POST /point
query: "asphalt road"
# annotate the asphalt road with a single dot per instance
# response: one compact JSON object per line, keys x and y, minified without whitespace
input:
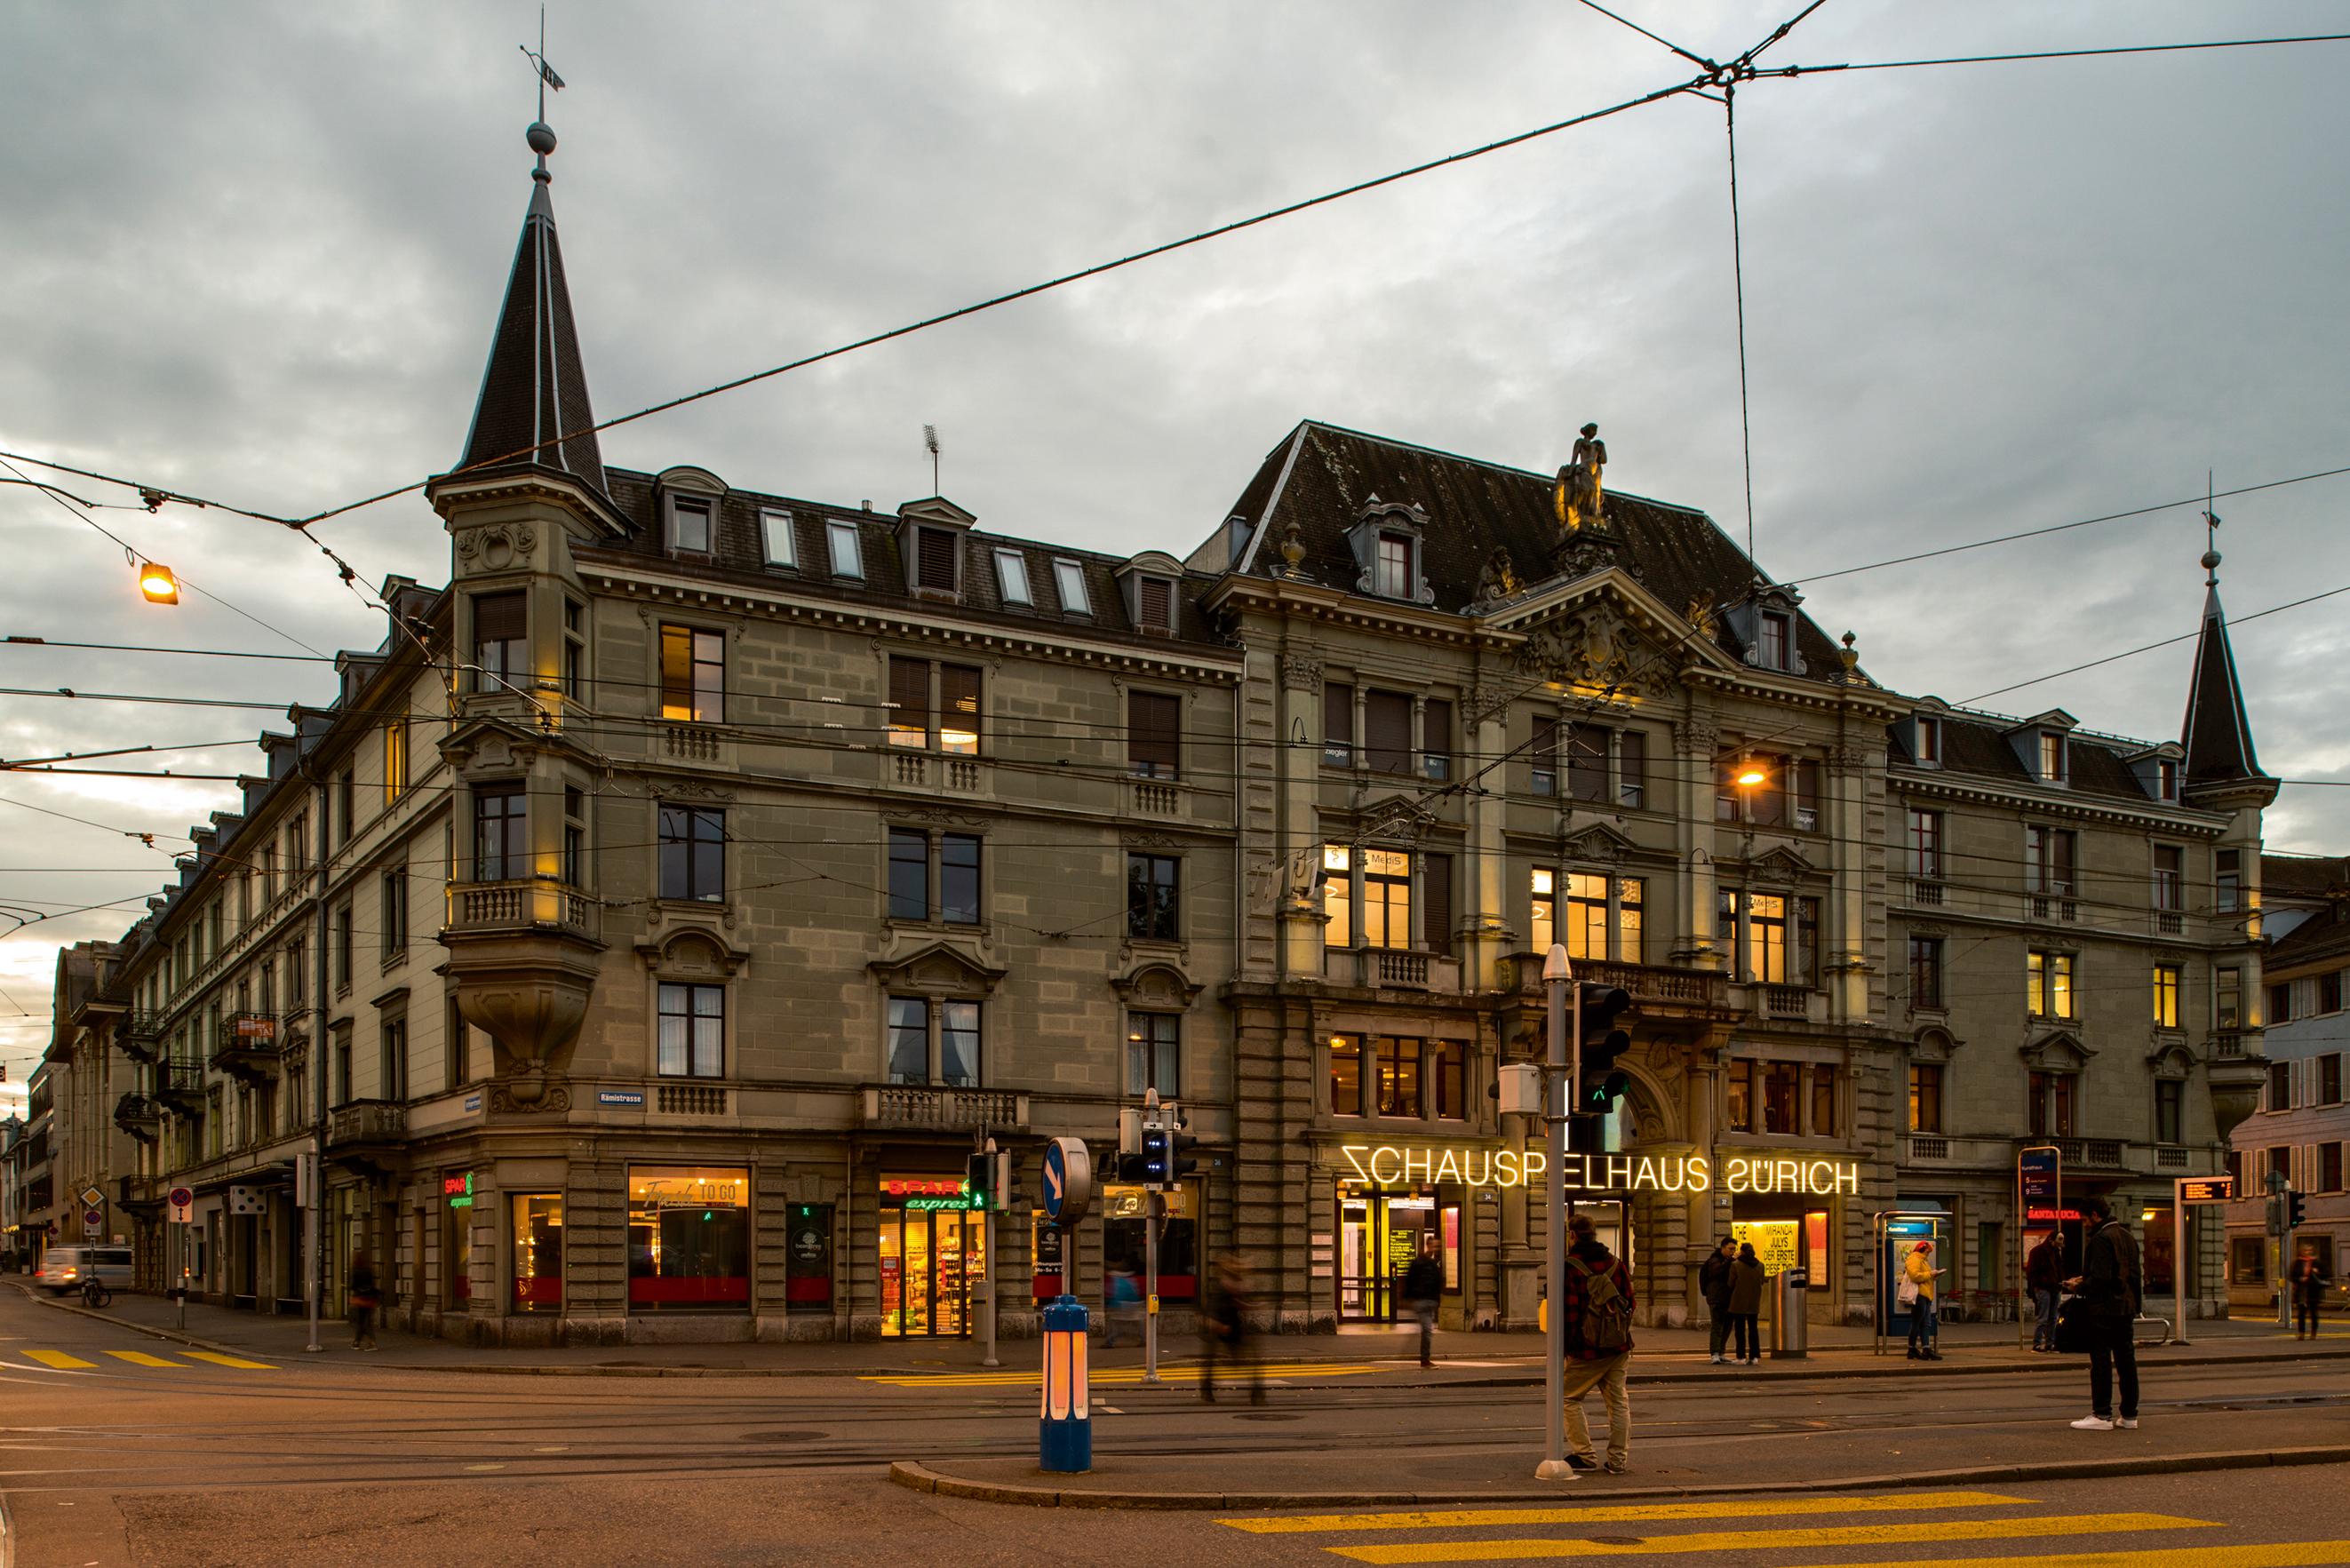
{"x":125,"y":1449}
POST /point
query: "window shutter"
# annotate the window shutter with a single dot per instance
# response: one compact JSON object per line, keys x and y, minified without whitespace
{"x":1587,"y":762}
{"x":500,"y":617}
{"x":910,"y":693}
{"x":936,"y":550}
{"x":1632,"y":767}
{"x":1153,"y":723}
{"x":1157,"y":604}
{"x":1436,"y":900}
{"x":1337,"y":716}
{"x":1386,"y":725}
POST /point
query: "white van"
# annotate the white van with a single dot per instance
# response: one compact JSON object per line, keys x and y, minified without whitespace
{"x":64,"y":1269}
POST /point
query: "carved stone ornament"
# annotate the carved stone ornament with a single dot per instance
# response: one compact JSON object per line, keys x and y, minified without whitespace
{"x":527,"y":1093}
{"x":1150,"y":840}
{"x":1781,"y":864}
{"x":1846,"y":758}
{"x":691,"y":789}
{"x":497,"y":545}
{"x":1156,"y":987}
{"x":1499,"y":579}
{"x":1300,"y":673}
{"x":1483,"y":703}
{"x":1697,"y":737}
{"x":2058,"y":1050}
{"x":937,"y":969}
{"x":1591,"y":648}
{"x":1581,"y":553}
{"x":1599,"y":842}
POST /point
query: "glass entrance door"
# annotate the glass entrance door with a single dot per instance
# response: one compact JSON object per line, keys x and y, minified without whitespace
{"x":1364,"y":1293}
{"x":932,"y":1260}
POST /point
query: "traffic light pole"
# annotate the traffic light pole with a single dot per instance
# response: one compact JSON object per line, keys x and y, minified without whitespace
{"x":987,"y":1260}
{"x":1155,"y":1205}
{"x":1558,"y":977}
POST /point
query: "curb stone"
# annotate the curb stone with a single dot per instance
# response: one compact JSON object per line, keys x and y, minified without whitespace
{"x":920,"y":1476}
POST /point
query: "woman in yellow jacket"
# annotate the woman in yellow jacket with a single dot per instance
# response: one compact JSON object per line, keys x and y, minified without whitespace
{"x":1917,"y":1271}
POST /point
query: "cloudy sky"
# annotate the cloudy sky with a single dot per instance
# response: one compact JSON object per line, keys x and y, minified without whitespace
{"x":253,"y":251}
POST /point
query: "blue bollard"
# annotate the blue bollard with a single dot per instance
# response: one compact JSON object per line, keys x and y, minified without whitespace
{"x":1065,"y":1427}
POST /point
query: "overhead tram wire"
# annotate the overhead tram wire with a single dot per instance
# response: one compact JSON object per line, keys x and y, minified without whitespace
{"x":2028,"y":55}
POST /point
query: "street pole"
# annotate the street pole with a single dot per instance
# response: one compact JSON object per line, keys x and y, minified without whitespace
{"x":996,"y":1196}
{"x":181,"y":1226}
{"x":1558,"y":978}
{"x":1155,"y":1205}
{"x":2179,"y":1256}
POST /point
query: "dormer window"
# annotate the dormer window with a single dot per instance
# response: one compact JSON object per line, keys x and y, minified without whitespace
{"x":934,"y":561}
{"x":1154,"y":604}
{"x":777,"y":539}
{"x":848,"y":559}
{"x":1392,"y":574}
{"x":2165,"y":779}
{"x":1774,"y":639}
{"x":1012,"y":578}
{"x":690,"y":522}
{"x":1069,"y":582}
{"x":1929,"y":742}
{"x":2052,"y":757}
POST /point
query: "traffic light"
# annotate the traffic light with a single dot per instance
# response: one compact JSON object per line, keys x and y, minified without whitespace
{"x":1158,"y":1158}
{"x":979,"y":1178}
{"x":2296,"y":1211}
{"x":2276,"y":1214}
{"x":1183,"y":1156}
{"x":1599,"y":1083}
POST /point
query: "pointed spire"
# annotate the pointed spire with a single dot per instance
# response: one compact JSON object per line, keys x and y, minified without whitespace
{"x":534,"y":389}
{"x":2217,"y":735}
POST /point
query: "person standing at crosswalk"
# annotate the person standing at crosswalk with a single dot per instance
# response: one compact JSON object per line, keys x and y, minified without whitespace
{"x":1746,"y":1277}
{"x":1713,"y":1284}
{"x":1597,"y":1312}
{"x":2109,"y":1287}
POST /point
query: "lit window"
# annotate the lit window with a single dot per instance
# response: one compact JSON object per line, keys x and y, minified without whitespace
{"x":693,"y":674}
{"x":1069,"y":582}
{"x":2049,"y":980}
{"x":1387,"y":897}
{"x":847,"y":560}
{"x":1337,"y":895}
{"x":776,"y":535}
{"x":2166,"y":995}
{"x":1011,"y":576}
{"x":2052,"y":757}
{"x":689,"y":524}
{"x":1929,"y":742}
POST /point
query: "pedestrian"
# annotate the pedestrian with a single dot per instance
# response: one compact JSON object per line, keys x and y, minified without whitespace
{"x":2109,"y":1287}
{"x":1917,"y":1293}
{"x":1227,"y":1330}
{"x":365,"y":1296}
{"x":2044,"y":1271}
{"x":1745,"y":1306}
{"x":1125,"y":1291}
{"x":2308,"y":1293}
{"x":1423,"y":1284}
{"x":1596,"y":1312}
{"x":1713,"y":1284}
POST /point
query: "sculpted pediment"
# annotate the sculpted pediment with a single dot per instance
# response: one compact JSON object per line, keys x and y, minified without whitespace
{"x":1592,"y":643}
{"x":937,"y":970}
{"x":1781,"y":863}
{"x":1599,"y":842}
{"x":2057,"y":1051}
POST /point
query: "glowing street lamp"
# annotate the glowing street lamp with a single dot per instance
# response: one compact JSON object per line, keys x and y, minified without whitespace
{"x":1749,"y":775}
{"x":158,"y":583}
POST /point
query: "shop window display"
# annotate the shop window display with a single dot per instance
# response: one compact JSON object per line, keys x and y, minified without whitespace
{"x":688,"y":1237}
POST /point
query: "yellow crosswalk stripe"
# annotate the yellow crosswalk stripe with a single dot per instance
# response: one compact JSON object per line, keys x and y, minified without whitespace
{"x":1755,"y":1508}
{"x":141,"y":1358}
{"x":2269,"y":1554}
{"x":1098,"y":1376}
{"x":60,"y":1360}
{"x":1925,"y":1532}
{"x":237,"y":1361}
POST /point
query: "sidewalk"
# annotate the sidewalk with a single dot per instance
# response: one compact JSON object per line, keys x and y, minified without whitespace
{"x":1503,"y":1359}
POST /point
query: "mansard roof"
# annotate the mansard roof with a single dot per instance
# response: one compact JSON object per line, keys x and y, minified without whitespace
{"x":1976,"y":743}
{"x":1321,"y":477}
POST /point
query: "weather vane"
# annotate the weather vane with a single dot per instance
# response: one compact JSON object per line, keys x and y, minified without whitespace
{"x":541,"y":138}
{"x":930,"y":445}
{"x":2210,"y":535}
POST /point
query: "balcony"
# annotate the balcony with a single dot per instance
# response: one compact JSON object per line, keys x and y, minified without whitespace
{"x":928,"y":1108}
{"x":523,"y":904}
{"x":366,"y":1135}
{"x":1153,"y":797}
{"x":2046,"y":909}
{"x":141,"y":1035}
{"x":689,"y":743}
{"x":139,"y":1115}
{"x":939,"y":773}
{"x":1655,"y":988}
{"x":180,"y":1087}
{"x":1929,"y":895}
{"x":249,"y":1047}
{"x":1391,"y":968}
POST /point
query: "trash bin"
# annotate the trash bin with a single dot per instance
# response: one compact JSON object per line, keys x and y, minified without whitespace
{"x":1789,"y":1335}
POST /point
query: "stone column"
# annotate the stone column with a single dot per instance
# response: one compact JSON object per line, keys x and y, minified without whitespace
{"x":1697,"y":945}
{"x":1299,"y":910}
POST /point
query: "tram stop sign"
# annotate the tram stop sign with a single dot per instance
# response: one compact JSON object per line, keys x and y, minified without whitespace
{"x":2207,"y":1189}
{"x":1068,"y":1180}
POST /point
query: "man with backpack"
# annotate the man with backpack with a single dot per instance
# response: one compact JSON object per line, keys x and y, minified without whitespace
{"x":1597,"y":1311}
{"x":2109,"y":1289}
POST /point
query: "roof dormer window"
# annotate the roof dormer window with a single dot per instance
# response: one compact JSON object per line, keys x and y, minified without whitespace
{"x":1155,"y":598}
{"x":847,"y":558}
{"x":777,"y":539}
{"x":1069,"y":582}
{"x":691,"y":524}
{"x":934,"y":561}
{"x":1929,"y":742}
{"x":1391,"y":573}
{"x":2052,"y":756}
{"x":1012,"y":578}
{"x":1774,"y":639}
{"x":2165,"y":779}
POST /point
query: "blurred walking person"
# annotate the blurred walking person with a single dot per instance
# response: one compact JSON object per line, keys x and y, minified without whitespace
{"x":1596,"y":1314}
{"x":1227,"y":1330}
{"x":2308,"y":1280}
{"x":2044,"y":1271}
{"x":1746,"y":1278}
{"x":1917,"y":1291}
{"x":365,"y":1295}
{"x":1713,"y":1284}
{"x":1125,"y":1293}
{"x":1423,"y":1285}
{"x":2109,"y":1290}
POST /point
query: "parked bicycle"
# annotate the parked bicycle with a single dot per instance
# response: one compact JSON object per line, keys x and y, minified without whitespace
{"x":95,"y":1295}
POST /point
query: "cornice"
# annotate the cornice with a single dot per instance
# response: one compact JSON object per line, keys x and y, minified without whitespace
{"x":1943,"y":785}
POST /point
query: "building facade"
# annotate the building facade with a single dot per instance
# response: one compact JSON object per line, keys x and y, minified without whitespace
{"x":665,"y":912}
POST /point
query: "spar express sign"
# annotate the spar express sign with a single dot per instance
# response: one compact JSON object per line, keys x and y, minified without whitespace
{"x":1815,"y":1176}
